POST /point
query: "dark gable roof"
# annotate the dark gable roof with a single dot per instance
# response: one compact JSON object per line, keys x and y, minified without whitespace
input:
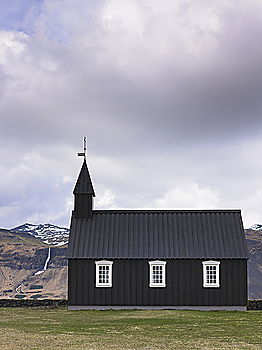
{"x":155,"y":234}
{"x":84,"y":182}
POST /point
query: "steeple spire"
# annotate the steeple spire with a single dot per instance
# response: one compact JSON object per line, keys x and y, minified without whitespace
{"x":83,"y":191}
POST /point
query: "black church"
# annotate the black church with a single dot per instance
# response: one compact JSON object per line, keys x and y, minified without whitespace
{"x":154,"y":259}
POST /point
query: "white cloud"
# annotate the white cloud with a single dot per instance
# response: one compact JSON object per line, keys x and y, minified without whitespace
{"x":106,"y":200}
{"x":11,"y":44}
{"x":8,"y":210}
{"x":191,"y":196}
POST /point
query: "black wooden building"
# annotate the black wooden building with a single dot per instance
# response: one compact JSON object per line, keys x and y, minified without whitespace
{"x":154,"y":258}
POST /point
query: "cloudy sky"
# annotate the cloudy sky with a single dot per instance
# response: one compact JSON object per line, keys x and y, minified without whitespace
{"x":168,"y":94}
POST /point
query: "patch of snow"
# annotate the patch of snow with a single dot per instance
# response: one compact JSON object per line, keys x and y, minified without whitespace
{"x":256,"y":227}
{"x":17,"y":288}
{"x":48,"y":233}
{"x":61,"y":243}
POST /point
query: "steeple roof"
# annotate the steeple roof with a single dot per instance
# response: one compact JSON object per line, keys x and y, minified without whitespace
{"x":84,"y":182}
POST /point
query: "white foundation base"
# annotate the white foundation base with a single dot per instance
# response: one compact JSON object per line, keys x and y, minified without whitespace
{"x":137,"y":307}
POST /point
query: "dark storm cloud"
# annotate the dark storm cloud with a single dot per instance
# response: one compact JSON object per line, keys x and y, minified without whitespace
{"x":169,"y":98}
{"x":216,"y":93}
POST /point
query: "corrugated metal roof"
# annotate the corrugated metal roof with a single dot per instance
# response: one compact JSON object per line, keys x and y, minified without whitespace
{"x":84,"y":183}
{"x":179,"y":234}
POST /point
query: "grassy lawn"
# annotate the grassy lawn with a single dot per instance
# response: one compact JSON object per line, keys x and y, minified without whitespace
{"x":39,"y":328}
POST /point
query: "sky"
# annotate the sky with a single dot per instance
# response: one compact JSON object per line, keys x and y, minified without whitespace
{"x":168,"y":94}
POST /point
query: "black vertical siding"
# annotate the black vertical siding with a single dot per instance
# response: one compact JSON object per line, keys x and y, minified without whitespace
{"x":83,"y":206}
{"x":184,"y":284}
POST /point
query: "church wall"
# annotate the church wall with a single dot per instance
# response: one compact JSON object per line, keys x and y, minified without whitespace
{"x":184,"y":284}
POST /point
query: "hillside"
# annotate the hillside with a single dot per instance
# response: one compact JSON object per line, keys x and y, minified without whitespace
{"x":31,"y":267}
{"x":254,"y":240}
{"x":22,"y":259}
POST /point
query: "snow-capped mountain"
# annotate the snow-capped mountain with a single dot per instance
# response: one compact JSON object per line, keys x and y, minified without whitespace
{"x":256,"y":227}
{"x":48,"y":233}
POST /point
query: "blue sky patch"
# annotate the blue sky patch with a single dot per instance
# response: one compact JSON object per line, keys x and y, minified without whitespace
{"x":12,"y":13}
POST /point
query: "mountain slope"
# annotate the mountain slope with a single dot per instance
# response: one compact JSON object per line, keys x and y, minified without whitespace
{"x":254,"y":241}
{"x":21,"y":257}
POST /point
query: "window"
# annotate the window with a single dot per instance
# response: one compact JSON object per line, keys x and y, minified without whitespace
{"x":211,"y":273}
{"x":157,"y":273}
{"x":104,"y":273}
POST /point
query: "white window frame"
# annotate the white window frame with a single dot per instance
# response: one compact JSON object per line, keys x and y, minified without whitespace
{"x":104,"y":263}
{"x":215,"y":264}
{"x":157,"y":263}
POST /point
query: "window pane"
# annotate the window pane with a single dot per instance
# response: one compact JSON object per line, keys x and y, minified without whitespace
{"x":103,"y":274}
{"x":157,"y":274}
{"x":211,"y":274}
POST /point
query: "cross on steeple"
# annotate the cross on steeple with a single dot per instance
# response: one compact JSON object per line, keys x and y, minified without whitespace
{"x":83,"y":191}
{"x":83,"y":154}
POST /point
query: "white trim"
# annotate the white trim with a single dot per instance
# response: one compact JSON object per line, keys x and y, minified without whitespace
{"x":151,"y":265}
{"x":109,"y":265}
{"x":150,"y":307}
{"x":215,"y":264}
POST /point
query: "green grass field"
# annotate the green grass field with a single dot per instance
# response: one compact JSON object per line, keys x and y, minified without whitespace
{"x":39,"y":328}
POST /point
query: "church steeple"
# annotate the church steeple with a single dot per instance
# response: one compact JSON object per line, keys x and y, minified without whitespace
{"x":84,"y":193}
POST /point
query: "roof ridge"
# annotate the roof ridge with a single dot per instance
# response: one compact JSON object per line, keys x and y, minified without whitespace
{"x":159,"y":211}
